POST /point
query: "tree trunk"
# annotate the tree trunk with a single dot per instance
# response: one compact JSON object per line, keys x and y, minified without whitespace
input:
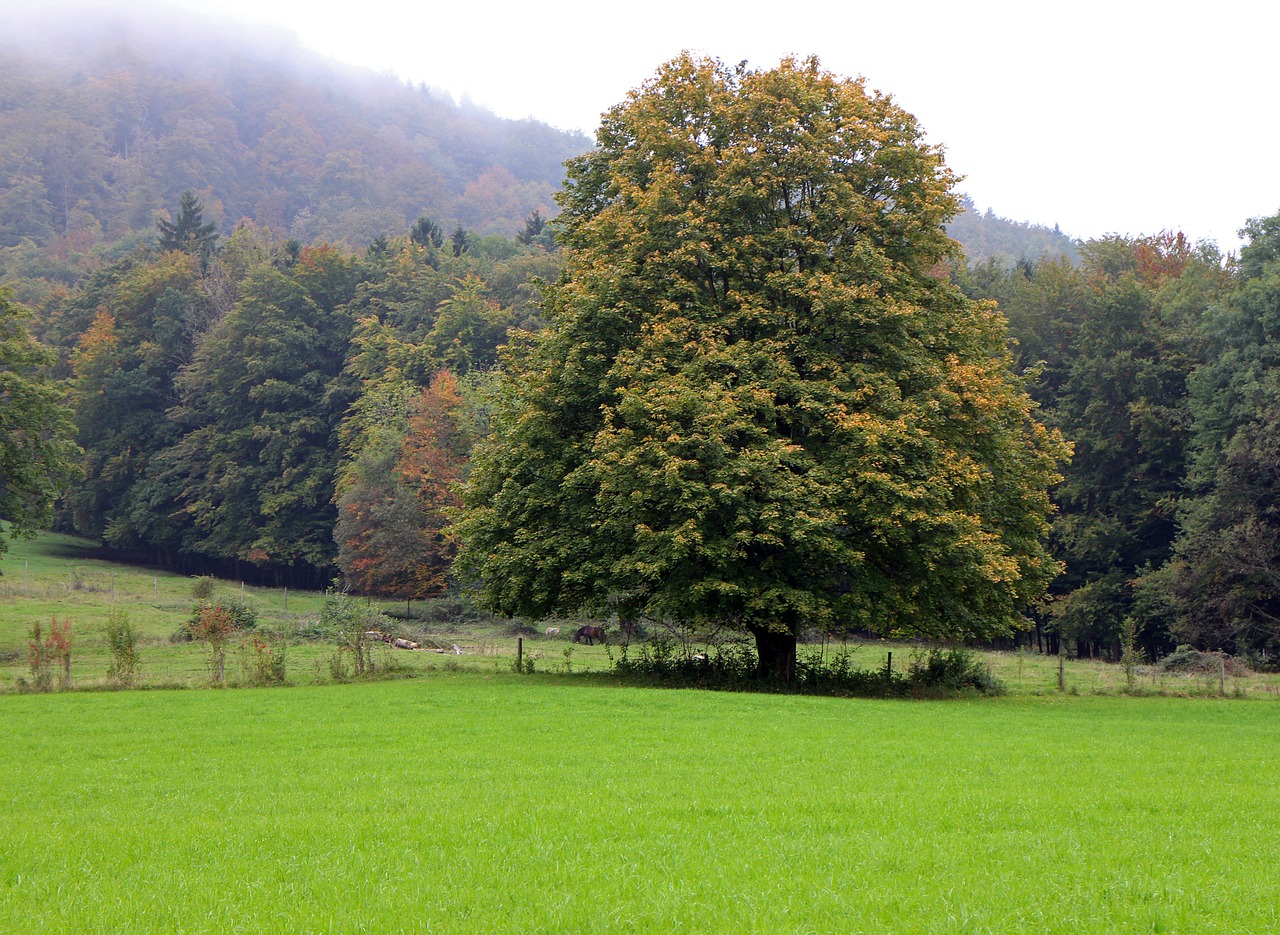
{"x":776,"y":655}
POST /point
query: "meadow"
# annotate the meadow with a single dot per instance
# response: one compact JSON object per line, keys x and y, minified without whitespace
{"x":469,"y":802}
{"x":469,"y":798}
{"x":61,"y":578}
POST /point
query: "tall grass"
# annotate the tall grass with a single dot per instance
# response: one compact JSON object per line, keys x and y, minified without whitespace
{"x":468,"y":802}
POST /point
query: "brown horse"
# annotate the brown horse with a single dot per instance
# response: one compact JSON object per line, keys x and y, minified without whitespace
{"x":588,"y":633}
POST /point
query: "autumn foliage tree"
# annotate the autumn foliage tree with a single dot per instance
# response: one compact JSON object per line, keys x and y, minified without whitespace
{"x":757,"y":405}
{"x":393,"y":508}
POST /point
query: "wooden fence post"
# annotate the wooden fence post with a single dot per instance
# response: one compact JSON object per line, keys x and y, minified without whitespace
{"x":1062,"y":675}
{"x":519,"y":653}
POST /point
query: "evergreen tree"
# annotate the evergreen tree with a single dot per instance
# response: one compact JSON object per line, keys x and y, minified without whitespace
{"x":189,"y":233}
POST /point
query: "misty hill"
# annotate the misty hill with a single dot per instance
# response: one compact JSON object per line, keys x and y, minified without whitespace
{"x":107,"y":119}
{"x":987,"y":236}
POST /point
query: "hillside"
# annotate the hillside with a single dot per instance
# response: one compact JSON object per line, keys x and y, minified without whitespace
{"x":107,"y":120}
{"x":984,"y":235}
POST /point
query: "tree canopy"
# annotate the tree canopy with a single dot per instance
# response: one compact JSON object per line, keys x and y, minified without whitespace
{"x":759,"y":401}
{"x":37,"y":456}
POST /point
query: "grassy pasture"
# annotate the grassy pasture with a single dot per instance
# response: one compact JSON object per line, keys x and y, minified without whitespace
{"x":466,"y":802}
{"x":60,"y":576}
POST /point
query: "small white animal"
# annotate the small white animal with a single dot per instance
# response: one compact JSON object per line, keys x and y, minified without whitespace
{"x":553,"y":631}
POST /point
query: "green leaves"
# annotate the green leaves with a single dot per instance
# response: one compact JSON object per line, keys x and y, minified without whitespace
{"x":37,"y":455}
{"x":757,"y":405}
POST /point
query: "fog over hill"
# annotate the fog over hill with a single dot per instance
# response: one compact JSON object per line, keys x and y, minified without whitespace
{"x":107,"y":119}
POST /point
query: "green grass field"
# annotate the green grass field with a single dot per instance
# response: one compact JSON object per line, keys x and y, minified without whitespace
{"x":471,"y":799}
{"x":464,"y":802}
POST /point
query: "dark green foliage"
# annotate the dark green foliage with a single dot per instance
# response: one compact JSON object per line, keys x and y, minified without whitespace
{"x":735,"y":667}
{"x":757,"y":406}
{"x":1110,"y":346}
{"x":145,"y":315}
{"x":458,"y":240}
{"x":426,"y":232}
{"x":261,"y":403}
{"x":37,"y":456}
{"x":534,"y":226}
{"x":188,"y":233}
{"x":1223,"y":582}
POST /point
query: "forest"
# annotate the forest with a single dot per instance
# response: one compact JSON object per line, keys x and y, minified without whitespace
{"x":274,"y":302}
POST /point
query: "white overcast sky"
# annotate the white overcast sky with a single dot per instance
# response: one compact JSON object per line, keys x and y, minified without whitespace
{"x":1102,"y":117}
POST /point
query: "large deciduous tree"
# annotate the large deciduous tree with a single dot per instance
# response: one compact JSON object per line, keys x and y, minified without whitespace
{"x":759,"y":402}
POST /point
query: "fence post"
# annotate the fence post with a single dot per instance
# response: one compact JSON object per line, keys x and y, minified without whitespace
{"x":113,"y":587}
{"x":155,"y":587}
{"x":519,"y":653}
{"x":1222,"y":675}
{"x":1062,"y":675}
{"x":25,"y":565}
{"x":286,"y":599}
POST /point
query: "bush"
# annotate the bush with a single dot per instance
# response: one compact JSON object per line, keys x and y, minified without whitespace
{"x":214,"y":626}
{"x":1191,"y":661}
{"x":202,"y":587}
{"x":122,"y":641}
{"x":263,"y":661}
{"x":951,"y":670}
{"x":733,"y":667}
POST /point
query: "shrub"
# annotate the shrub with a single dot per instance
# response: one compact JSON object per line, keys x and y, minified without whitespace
{"x":343,"y":620}
{"x":122,"y":641}
{"x":1191,"y":661}
{"x":732,"y":666}
{"x":202,"y":587}
{"x":243,"y":614}
{"x":951,"y":670}
{"x":39,"y":659}
{"x":214,"y":626}
{"x":263,"y":658}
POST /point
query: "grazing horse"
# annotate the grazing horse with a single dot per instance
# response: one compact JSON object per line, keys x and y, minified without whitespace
{"x":588,"y":633}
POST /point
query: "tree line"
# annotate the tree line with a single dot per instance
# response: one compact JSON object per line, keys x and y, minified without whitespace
{"x":1154,"y":357}
{"x":279,"y":411}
